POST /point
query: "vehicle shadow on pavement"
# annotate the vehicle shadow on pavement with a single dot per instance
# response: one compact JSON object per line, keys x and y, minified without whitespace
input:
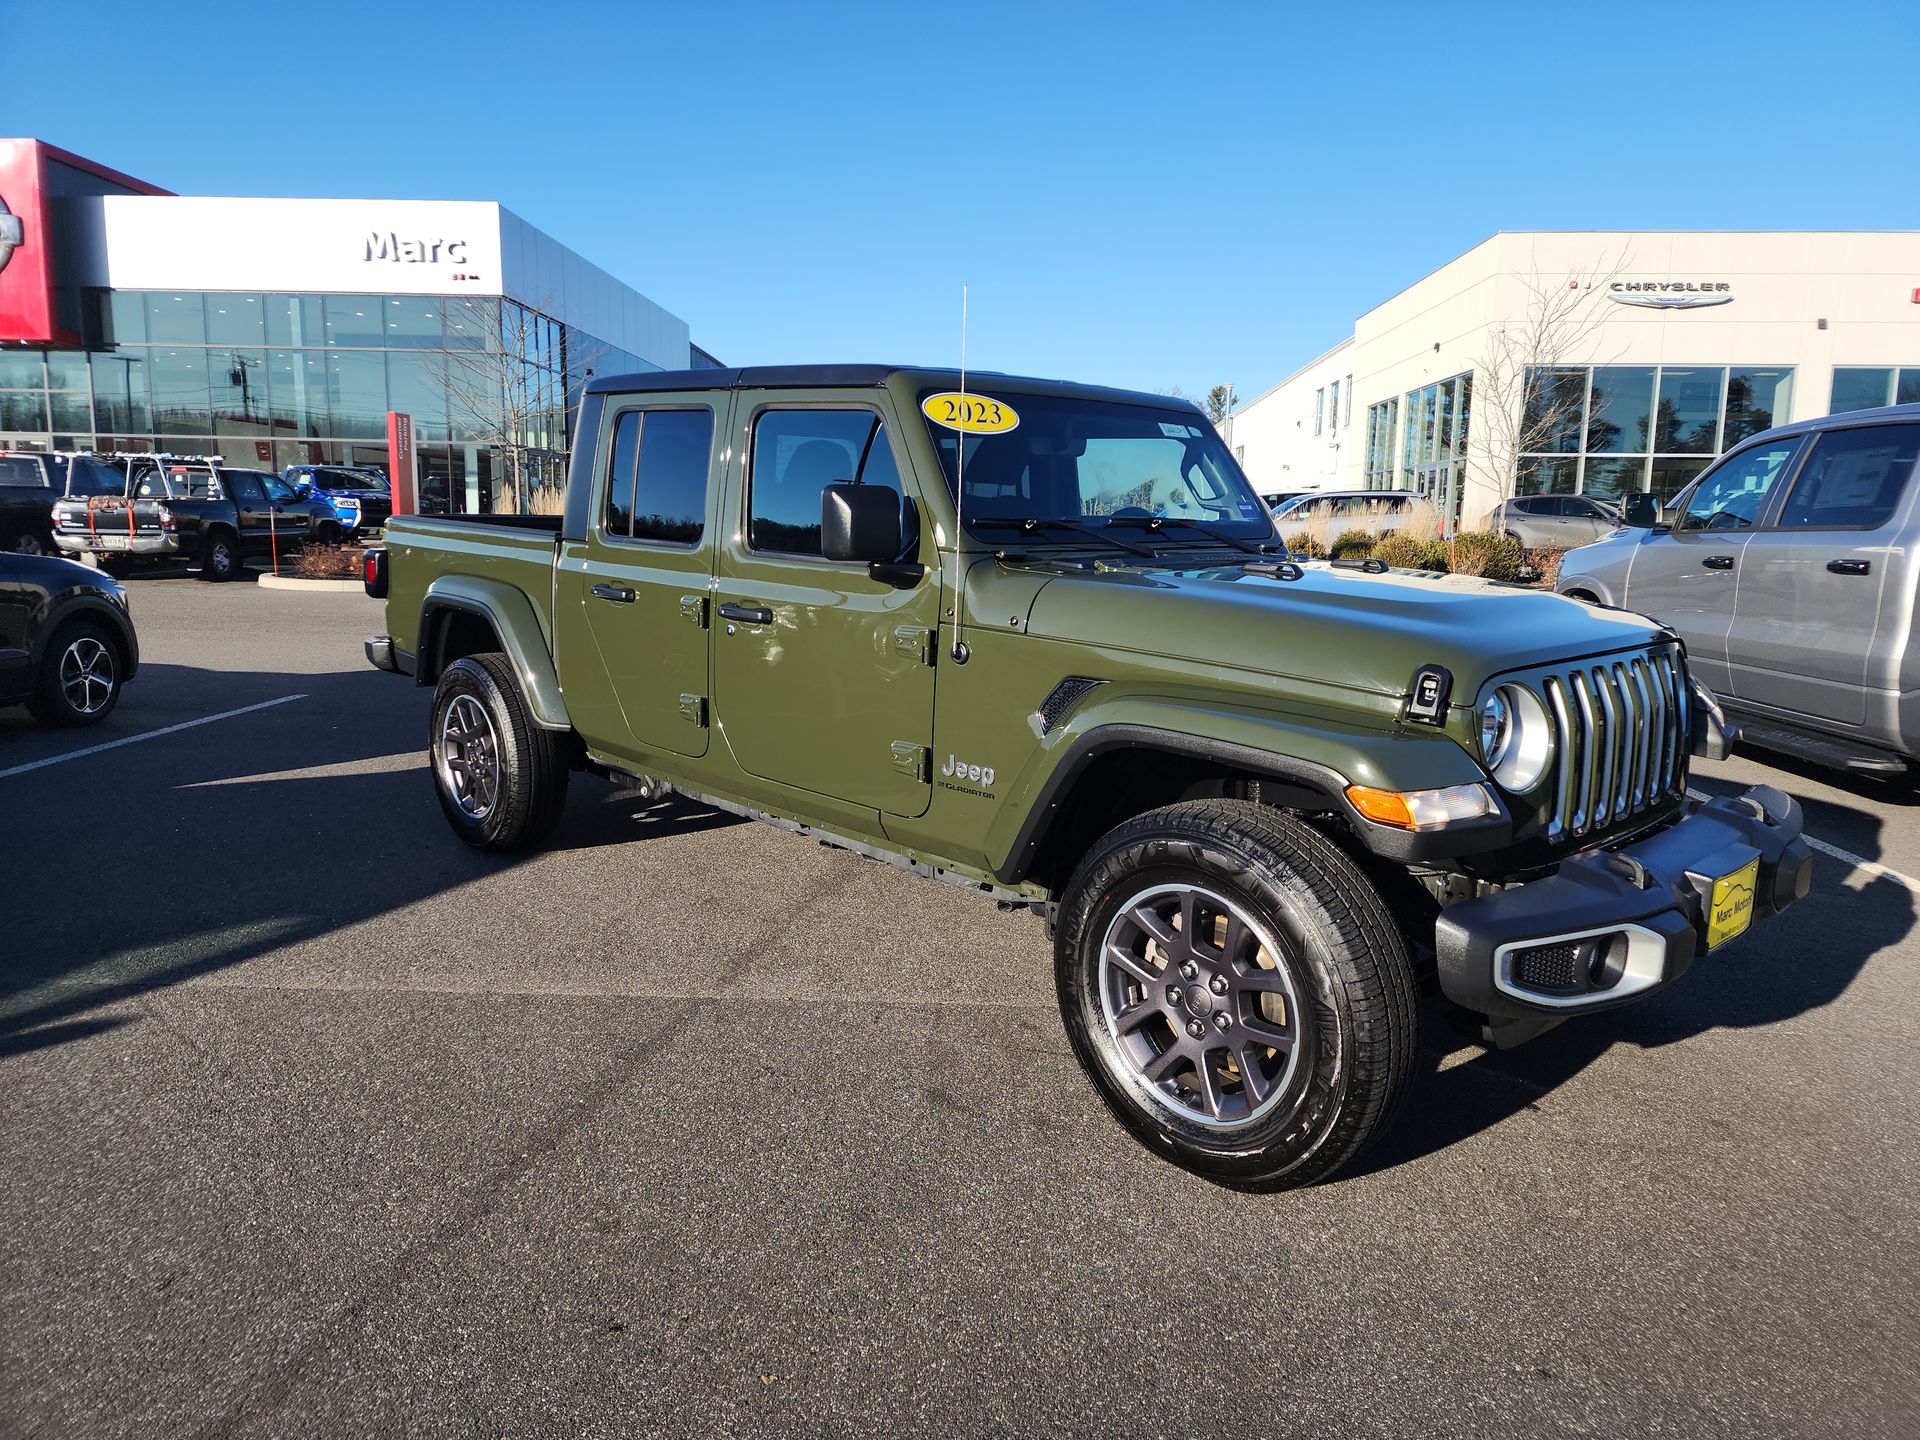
{"x":242,"y":838}
{"x":1797,"y":963}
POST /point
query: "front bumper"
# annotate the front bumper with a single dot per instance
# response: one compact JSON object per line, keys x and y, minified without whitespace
{"x":1614,"y":925}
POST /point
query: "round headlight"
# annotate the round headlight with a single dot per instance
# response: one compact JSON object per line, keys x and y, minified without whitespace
{"x":1518,"y":745}
{"x":1496,"y":728}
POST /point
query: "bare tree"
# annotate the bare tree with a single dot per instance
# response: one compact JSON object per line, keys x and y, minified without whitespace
{"x":512,"y":397}
{"x":1529,"y":388}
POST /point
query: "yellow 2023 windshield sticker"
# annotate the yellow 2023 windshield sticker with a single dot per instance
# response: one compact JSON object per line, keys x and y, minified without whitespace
{"x":974,"y":414}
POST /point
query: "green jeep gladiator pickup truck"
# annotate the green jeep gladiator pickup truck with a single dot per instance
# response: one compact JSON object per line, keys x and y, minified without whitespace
{"x":1260,"y":804}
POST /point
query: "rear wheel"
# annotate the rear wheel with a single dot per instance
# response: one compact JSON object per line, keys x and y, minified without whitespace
{"x":328,"y":533}
{"x":1236,"y":991}
{"x":27,"y":542}
{"x":221,"y":559}
{"x":80,"y":677}
{"x":500,"y":778}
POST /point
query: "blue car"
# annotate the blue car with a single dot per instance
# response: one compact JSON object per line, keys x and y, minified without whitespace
{"x":364,"y":488}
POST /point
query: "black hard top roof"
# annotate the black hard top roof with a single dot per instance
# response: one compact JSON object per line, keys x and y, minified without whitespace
{"x":794,"y":377}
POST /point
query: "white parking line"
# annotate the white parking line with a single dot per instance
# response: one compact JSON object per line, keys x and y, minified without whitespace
{"x":1858,"y":862}
{"x":149,"y":735}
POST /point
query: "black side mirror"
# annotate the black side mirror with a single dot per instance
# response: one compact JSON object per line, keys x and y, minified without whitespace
{"x":1643,"y":511}
{"x":860,"y":523}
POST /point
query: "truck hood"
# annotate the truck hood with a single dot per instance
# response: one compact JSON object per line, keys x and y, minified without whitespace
{"x":1335,"y":626}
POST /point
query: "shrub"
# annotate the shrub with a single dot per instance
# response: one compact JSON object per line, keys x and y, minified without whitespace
{"x":1351,"y":545}
{"x":1403,"y":552}
{"x":1306,"y":547}
{"x":1437,"y":555}
{"x":329,"y":562}
{"x":1481,"y":552}
{"x":1546,"y":565}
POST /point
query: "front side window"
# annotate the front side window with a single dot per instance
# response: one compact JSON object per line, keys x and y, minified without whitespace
{"x":796,"y":455}
{"x":1081,"y":462}
{"x":1853,"y":480}
{"x":1732,"y":497}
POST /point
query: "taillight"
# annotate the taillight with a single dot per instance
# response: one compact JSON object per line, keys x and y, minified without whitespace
{"x":375,"y":572}
{"x":166,"y":519}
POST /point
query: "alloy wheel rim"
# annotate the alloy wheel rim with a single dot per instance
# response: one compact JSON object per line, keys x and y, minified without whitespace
{"x":470,"y":757}
{"x":86,"y":675}
{"x":1199,"y":1000}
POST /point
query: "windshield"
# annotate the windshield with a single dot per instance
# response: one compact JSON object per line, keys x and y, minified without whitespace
{"x":353,"y":480}
{"x":1089,"y":461}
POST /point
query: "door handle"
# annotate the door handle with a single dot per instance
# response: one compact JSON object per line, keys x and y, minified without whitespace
{"x":621,"y":593}
{"x":745,"y":614}
{"x":1850,"y":567}
{"x":1718,"y":562}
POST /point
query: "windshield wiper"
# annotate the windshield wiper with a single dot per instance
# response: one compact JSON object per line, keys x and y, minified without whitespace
{"x":1155,"y":522}
{"x":1028,"y":524}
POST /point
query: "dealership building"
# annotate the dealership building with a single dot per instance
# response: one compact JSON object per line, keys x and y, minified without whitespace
{"x":276,"y":332}
{"x":1593,"y":362}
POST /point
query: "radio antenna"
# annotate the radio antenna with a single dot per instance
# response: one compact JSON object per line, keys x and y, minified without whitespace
{"x":959,"y":652}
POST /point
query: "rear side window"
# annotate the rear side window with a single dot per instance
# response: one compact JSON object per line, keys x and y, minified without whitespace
{"x":20,"y":470}
{"x":246,"y":486}
{"x":797,"y":454}
{"x":657,"y":476}
{"x":1853,"y":480}
{"x":1731,"y":497}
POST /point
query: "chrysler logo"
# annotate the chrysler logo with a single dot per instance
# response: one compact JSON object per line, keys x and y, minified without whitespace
{"x":1670,"y":294}
{"x":12,"y":234}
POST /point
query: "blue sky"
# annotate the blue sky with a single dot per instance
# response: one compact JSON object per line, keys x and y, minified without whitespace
{"x":1140,"y":195}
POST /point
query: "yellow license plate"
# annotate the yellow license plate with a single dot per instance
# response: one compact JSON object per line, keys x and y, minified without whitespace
{"x":1732,"y":909}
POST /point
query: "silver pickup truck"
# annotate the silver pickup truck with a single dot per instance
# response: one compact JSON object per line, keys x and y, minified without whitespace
{"x":1789,"y":568}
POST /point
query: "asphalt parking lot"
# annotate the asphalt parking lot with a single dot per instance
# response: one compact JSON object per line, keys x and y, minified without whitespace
{"x":315,"y":1122}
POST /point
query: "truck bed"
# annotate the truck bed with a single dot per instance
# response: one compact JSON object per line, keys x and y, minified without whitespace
{"x":513,"y":551}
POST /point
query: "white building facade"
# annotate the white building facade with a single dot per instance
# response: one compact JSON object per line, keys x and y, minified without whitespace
{"x":1594,"y":362}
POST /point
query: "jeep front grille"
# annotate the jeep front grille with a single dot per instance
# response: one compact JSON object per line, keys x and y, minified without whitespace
{"x":1621,"y":733}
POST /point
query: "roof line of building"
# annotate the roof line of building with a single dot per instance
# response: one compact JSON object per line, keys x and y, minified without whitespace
{"x":1323,"y":355}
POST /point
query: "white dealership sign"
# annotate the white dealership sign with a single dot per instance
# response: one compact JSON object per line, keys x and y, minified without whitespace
{"x":403,"y":247}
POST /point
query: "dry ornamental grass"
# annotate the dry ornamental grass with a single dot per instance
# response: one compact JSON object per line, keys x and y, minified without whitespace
{"x":329,"y":562}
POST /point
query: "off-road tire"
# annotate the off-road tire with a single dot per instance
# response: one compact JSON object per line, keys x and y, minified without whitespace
{"x":62,"y":695}
{"x":220,"y":559}
{"x":531,"y":786}
{"x":328,"y":532}
{"x":1353,"y":986}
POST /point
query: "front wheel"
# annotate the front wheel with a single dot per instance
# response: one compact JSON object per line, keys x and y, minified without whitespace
{"x":501,"y":779}
{"x":80,"y":677}
{"x":1235,"y":989}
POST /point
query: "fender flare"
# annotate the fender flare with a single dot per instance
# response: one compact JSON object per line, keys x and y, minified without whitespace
{"x":517,"y":624}
{"x":83,"y":605}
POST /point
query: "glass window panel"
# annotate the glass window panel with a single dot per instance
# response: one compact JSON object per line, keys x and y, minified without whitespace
{"x":617,"y":517}
{"x":1907,"y":390}
{"x":417,"y":386}
{"x":413,"y":322}
{"x":472,"y":324}
{"x":1547,"y":475}
{"x":177,"y":379}
{"x":294,"y":320}
{"x":1443,"y":430}
{"x":238,"y":380}
{"x":22,"y":370}
{"x":1462,"y":412}
{"x":357,"y":394}
{"x":1731,"y":498}
{"x":176,"y":319}
{"x":120,"y":392}
{"x":1860,"y":387}
{"x":235,"y":319}
{"x":670,"y":494}
{"x":23,"y":410}
{"x":66,"y":370}
{"x":1756,"y":400}
{"x":1609,"y":479}
{"x":1687,"y":419}
{"x":1670,"y":477}
{"x":297,"y":389}
{"x":797,"y":453}
{"x":71,"y":411}
{"x":1554,"y":406}
{"x":1854,"y":479}
{"x":355,"y":321}
{"x":127,"y":317}
{"x":1620,"y":402}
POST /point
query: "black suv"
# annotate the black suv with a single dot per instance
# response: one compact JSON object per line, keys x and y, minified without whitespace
{"x":30,"y":482}
{"x":66,"y":639}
